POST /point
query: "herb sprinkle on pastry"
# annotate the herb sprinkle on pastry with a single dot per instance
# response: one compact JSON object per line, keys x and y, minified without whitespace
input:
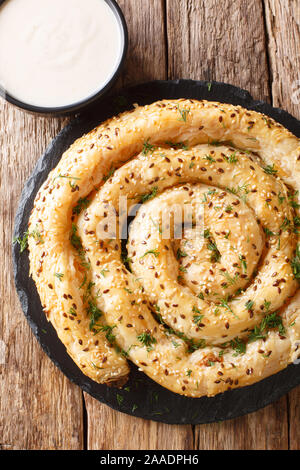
{"x":199,"y":315}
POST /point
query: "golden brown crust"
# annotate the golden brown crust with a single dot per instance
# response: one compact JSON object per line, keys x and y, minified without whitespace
{"x":104,"y":313}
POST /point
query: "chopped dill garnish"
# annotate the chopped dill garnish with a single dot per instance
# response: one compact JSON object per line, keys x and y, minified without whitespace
{"x":181,"y":254}
{"x":82,"y":203}
{"x":269,"y":322}
{"x":72,"y":311}
{"x":94,"y":312}
{"x":149,"y":196}
{"x":280,"y":197}
{"x":232,"y":158}
{"x":76,"y":243}
{"x":238,"y":345}
{"x":231,"y":280}
{"x":268,"y":232}
{"x":249,"y":304}
{"x":68,"y":177}
{"x":125,"y":258}
{"x":84,"y":281}
{"x":242,"y":191}
{"x":36,"y":235}
{"x":224,"y":304}
{"x":109,"y":174}
{"x":183,"y":113}
{"x":243,"y":263}
{"x":104,"y":271}
{"x":197,"y":319}
{"x":147,"y":147}
{"x":147,"y":340}
{"x":270,"y":170}
{"x":292,"y":202}
{"x":129,"y":291}
{"x":108,"y":332}
{"x":216,"y":255}
{"x":22,"y":241}
{"x":285,"y":224}
{"x":177,"y":145}
{"x":96,"y":367}
{"x":75,"y":239}
{"x":120,"y":399}
{"x":209,"y":158}
{"x":151,"y":252}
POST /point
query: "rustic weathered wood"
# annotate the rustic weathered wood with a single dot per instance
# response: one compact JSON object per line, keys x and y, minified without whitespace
{"x":122,"y":432}
{"x":146,"y":59}
{"x":283,"y":28}
{"x":205,"y":39}
{"x":294,"y":418}
{"x":39,"y":407}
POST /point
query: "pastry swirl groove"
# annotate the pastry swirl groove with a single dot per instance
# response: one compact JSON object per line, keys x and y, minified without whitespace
{"x":199,"y":315}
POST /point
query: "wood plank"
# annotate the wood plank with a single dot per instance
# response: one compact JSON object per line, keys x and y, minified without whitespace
{"x":226,"y":44}
{"x":283,"y":28}
{"x":294,"y":418}
{"x":39,"y":407}
{"x":224,"y":41}
{"x":146,"y":58}
{"x":146,"y":61}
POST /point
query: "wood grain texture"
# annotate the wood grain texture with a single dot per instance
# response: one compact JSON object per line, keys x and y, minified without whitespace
{"x":223,"y":41}
{"x":294,"y":418}
{"x":123,"y":432}
{"x":39,"y":407}
{"x":283,"y":30}
{"x":265,"y":429}
{"x":146,"y":61}
{"x":237,"y":42}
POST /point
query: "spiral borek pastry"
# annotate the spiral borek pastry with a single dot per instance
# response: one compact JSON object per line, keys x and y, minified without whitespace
{"x":201,"y":306}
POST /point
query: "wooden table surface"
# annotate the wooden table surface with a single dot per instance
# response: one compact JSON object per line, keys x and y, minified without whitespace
{"x":254,"y":44}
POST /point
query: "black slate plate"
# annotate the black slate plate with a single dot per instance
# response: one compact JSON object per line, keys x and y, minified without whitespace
{"x":145,"y":398}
